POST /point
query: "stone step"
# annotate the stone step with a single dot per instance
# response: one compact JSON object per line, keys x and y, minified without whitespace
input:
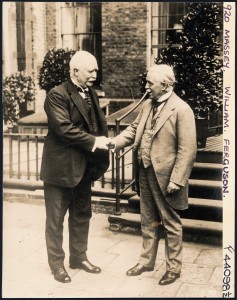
{"x":198,"y":188}
{"x":199,"y":209}
{"x":207,"y":189}
{"x":209,"y":157}
{"x":210,"y":171}
{"x":193,"y":230}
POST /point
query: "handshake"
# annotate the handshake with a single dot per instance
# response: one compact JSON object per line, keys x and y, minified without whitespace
{"x":104,"y":143}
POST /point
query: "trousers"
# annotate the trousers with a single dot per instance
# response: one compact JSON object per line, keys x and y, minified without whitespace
{"x":77,"y":201}
{"x":158,"y":219}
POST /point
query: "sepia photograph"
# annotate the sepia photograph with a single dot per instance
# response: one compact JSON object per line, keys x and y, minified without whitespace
{"x":118,"y":149}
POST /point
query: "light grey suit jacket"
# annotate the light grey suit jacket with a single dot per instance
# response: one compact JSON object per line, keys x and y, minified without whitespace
{"x":173,"y":148}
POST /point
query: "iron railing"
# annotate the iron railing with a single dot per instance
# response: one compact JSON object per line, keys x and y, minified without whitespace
{"x":22,"y":154}
{"x":120,"y":157}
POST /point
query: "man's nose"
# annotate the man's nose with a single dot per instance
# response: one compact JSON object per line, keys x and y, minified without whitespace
{"x":147,"y":87}
{"x":94,"y":74}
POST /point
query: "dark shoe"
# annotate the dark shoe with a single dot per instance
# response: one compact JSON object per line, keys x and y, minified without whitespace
{"x":60,"y":274}
{"x":169,"y":278}
{"x":87,"y":266}
{"x":138,"y":270}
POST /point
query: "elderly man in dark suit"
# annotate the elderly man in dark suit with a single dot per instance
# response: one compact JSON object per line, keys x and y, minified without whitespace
{"x":164,"y":138}
{"x":74,"y":155}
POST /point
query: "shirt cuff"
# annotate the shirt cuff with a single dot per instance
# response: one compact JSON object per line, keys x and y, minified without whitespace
{"x":95,"y":146}
{"x":113,"y":150}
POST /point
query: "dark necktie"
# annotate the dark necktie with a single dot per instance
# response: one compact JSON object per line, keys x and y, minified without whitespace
{"x":156,"y":104}
{"x":87,"y":97}
{"x":86,"y":93}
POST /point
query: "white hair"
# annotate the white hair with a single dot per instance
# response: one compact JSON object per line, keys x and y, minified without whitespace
{"x":166,"y":73}
{"x":79,"y":59}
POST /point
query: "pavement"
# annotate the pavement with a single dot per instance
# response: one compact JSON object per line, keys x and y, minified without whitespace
{"x":26,"y":274}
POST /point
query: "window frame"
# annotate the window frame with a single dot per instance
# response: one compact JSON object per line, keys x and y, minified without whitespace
{"x":94,"y":42}
{"x":165,"y":29}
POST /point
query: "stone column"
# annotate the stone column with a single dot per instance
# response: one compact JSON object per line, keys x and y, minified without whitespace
{"x":39,"y":47}
{"x":9,"y":38}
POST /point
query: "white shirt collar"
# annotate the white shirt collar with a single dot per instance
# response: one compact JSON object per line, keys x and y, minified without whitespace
{"x":165,"y":96}
{"x":74,"y":81}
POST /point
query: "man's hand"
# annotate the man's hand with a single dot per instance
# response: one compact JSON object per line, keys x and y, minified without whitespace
{"x":102,"y":142}
{"x":172,"y":188}
{"x":111,"y":145}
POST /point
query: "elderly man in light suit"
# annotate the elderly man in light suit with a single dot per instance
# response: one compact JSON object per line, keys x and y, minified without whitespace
{"x":164,"y":138}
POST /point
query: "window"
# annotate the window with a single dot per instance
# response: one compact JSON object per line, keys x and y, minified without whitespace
{"x":20,"y":30}
{"x":165,"y":22}
{"x":81,"y":29}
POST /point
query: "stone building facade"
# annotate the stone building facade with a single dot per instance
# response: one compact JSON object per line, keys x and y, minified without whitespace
{"x":124,"y":36}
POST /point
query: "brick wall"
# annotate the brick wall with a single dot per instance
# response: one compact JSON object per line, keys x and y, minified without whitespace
{"x":117,"y":104}
{"x":124,"y":46}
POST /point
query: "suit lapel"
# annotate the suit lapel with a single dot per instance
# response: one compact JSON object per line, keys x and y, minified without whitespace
{"x":78,"y":100}
{"x":80,"y":104}
{"x":165,"y":113}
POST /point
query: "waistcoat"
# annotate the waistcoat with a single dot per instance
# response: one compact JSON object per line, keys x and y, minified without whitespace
{"x":145,"y":145}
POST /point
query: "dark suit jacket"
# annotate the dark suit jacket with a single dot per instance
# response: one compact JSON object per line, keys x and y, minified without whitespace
{"x":69,"y":142}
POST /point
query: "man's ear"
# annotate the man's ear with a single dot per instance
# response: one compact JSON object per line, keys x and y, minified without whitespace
{"x":75,"y":71}
{"x":165,"y":87}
